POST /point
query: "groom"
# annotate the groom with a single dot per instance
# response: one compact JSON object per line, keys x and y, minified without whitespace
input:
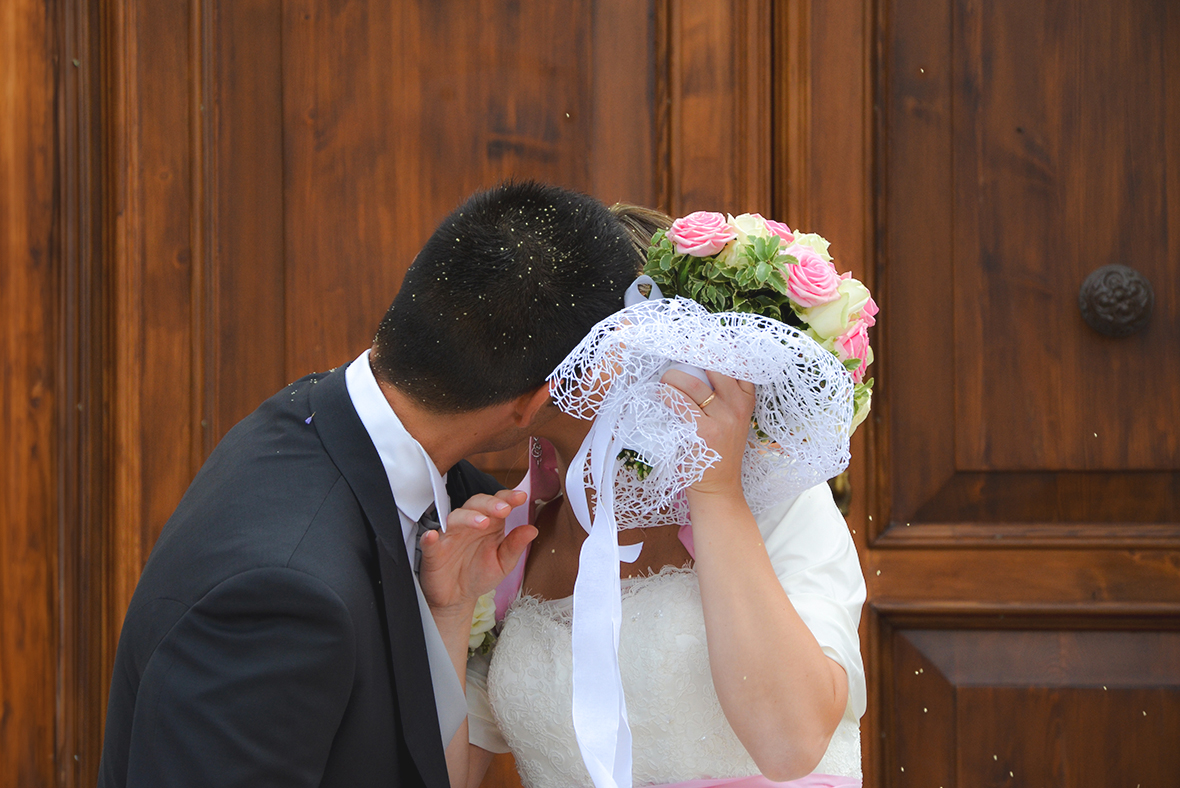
{"x":291,"y":626}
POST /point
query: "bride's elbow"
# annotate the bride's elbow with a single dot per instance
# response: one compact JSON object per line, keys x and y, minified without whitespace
{"x":790,"y":762}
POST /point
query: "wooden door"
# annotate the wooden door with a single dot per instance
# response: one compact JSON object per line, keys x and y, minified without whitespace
{"x":234,"y":189}
{"x":1023,"y":563}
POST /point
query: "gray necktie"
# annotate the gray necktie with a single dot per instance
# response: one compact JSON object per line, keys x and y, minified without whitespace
{"x":427,"y":522}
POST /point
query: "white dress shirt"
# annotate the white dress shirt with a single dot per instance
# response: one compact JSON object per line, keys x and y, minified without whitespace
{"x":416,"y":484}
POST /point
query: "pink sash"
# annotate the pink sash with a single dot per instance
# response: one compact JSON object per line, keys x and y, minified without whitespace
{"x":815,"y":780}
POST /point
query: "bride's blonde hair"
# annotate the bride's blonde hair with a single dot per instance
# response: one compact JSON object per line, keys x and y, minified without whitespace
{"x":641,"y":224}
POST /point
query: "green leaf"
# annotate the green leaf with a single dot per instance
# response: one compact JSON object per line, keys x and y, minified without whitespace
{"x":778,"y":281}
{"x":762,"y":272}
{"x":759,"y":247}
{"x":851,"y":364}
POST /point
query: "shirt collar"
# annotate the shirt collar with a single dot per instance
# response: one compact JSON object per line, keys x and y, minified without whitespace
{"x":413,"y":477}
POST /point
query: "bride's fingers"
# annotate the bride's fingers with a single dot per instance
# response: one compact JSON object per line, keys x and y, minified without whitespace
{"x":730,"y":391}
{"x":697,"y":391}
{"x":739,"y":393}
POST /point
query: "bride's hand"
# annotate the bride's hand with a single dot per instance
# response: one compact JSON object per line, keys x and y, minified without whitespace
{"x":474,"y":554}
{"x":723,"y":423}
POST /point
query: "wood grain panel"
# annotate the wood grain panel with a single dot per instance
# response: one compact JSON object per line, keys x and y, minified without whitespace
{"x":839,"y":180}
{"x":791,"y":112}
{"x":1052,"y":182}
{"x":1043,"y":497}
{"x":915,"y":371}
{"x":1035,"y":707}
{"x":87,"y":638}
{"x":719,"y":89}
{"x":165,"y":277}
{"x":29,"y":334}
{"x":247,"y":309}
{"x":429,"y":102}
{"x":158,"y":273}
{"x":1036,"y":144}
{"x":624,"y":132}
{"x":1068,"y":738}
{"x":919,"y":730}
{"x":355,"y":212}
{"x":1011,"y":578}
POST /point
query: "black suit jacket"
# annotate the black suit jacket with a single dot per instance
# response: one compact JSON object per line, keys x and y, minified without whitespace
{"x":275,"y":637}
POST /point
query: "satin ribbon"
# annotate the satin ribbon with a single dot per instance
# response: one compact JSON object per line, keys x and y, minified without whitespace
{"x":599,"y":707}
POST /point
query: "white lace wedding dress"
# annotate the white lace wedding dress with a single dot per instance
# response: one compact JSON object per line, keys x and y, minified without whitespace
{"x":679,"y":730}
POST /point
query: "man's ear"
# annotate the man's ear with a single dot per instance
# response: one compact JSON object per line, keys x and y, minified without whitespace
{"x":530,"y":408}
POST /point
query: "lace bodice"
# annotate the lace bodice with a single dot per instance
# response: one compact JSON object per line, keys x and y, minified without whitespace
{"x":679,"y":730}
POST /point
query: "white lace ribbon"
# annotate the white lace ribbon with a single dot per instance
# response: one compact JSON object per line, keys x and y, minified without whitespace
{"x":599,"y":708}
{"x":803,"y":409}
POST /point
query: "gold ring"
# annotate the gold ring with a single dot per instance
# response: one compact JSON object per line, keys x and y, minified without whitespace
{"x":708,"y":399}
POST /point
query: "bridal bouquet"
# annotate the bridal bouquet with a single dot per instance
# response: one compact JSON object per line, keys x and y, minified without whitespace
{"x":759,"y":266}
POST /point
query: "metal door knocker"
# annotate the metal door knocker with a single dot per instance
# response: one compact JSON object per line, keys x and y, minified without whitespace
{"x":1116,"y":300}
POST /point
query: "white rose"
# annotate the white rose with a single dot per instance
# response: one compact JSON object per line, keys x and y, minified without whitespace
{"x":483,"y":620}
{"x":747,"y":226}
{"x":833,"y":318}
{"x":816,"y":242}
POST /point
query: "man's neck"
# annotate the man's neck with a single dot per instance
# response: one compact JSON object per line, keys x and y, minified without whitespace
{"x":447,"y":437}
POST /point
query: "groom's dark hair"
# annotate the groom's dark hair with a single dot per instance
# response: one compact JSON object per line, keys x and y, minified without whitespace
{"x":502,"y":291}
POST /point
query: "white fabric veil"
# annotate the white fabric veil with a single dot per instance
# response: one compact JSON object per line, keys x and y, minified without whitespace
{"x":803,"y":412}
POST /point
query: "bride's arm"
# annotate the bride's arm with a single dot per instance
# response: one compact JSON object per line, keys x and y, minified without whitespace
{"x":781,"y":694}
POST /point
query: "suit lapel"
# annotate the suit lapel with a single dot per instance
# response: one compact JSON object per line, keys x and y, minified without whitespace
{"x":348,"y":444}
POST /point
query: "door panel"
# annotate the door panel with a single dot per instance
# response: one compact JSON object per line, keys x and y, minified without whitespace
{"x":1024,"y":577}
{"x":1002,"y":151}
{"x":1075,"y":707}
{"x":1063,"y":161}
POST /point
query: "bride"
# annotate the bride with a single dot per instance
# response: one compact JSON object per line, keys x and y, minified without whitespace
{"x":737,"y":638}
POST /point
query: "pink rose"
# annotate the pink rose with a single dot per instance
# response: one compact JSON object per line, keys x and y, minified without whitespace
{"x":855,"y":344}
{"x":868,"y":312}
{"x":781,"y":230}
{"x":811,"y":281}
{"x":701,"y":234}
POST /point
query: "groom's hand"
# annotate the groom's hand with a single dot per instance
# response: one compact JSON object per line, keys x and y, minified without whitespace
{"x":474,"y":554}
